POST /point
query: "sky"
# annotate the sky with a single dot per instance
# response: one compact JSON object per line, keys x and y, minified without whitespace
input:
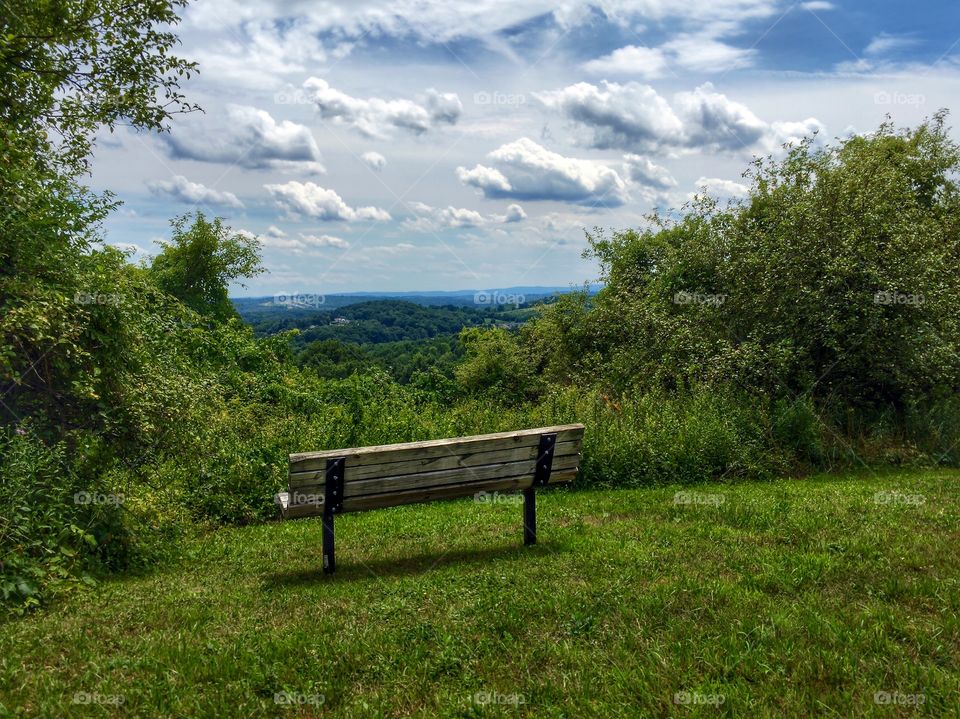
{"x":452,"y":144}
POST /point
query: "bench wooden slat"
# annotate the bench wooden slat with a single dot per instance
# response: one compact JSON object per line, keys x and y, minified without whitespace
{"x":389,"y":499}
{"x":434,"y":448}
{"x":316,"y":478}
{"x":426,"y":480}
{"x":376,"y":501}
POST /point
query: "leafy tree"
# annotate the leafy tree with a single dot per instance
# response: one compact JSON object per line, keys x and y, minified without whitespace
{"x":497,"y":365}
{"x":201,"y":261}
{"x":71,"y":67}
{"x":838,"y":278}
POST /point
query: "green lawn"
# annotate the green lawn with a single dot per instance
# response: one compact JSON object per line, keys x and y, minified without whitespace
{"x":797,"y":598}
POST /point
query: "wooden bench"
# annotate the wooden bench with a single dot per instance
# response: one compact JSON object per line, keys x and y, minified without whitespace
{"x":353,"y":480}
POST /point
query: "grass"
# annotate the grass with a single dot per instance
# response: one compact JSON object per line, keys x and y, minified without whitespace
{"x":792,"y":598}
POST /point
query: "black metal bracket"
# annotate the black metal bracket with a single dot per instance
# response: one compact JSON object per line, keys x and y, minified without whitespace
{"x":333,"y":487}
{"x":541,"y":475}
{"x":332,"y":504}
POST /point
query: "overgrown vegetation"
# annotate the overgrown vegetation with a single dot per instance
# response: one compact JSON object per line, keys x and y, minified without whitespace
{"x":812,"y":326}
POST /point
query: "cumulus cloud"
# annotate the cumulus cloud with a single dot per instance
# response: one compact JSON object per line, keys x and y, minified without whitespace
{"x":515,"y":213}
{"x":646,"y":62}
{"x":645,"y":172}
{"x":310,"y":200}
{"x":629,"y":116}
{"x":431,"y":219}
{"x":375,"y":117}
{"x":525,"y":170}
{"x":714,"y":122}
{"x":250,"y":138}
{"x":634,"y":117}
{"x":374,"y":160}
{"x":180,"y":188}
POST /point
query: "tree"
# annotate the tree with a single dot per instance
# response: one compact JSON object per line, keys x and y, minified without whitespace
{"x":202,"y":260}
{"x":71,"y":67}
{"x":838,"y":279}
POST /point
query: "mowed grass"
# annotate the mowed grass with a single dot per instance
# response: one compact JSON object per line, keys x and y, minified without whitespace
{"x":796,"y":598}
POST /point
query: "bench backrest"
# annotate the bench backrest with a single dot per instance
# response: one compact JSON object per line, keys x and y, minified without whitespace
{"x":395,"y":474}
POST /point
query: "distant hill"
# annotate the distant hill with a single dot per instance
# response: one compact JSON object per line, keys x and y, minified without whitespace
{"x":255,"y":308}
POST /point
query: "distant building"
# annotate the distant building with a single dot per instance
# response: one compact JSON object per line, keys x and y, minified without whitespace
{"x":340,"y":321}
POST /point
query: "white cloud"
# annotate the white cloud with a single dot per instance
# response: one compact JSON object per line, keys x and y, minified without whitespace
{"x":325,"y":241}
{"x":646,"y":62}
{"x":721,"y":189}
{"x":130,"y":248}
{"x":483,"y":19}
{"x":311,"y":200}
{"x":374,"y":160}
{"x":885,"y":43}
{"x":644,"y":172}
{"x":259,"y":51}
{"x":250,"y":138}
{"x":433,"y":219}
{"x":180,"y":188}
{"x":714,"y":122}
{"x":276,"y":239}
{"x":629,"y":116}
{"x":532,"y":172}
{"x":515,"y":213}
{"x":375,"y":117}
{"x":700,"y":52}
{"x":818,"y":5}
{"x":636,"y":118}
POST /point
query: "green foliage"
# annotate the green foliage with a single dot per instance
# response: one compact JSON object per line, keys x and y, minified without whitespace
{"x":70,"y":67}
{"x":497,"y":365}
{"x":201,"y":261}
{"x":838,"y":279}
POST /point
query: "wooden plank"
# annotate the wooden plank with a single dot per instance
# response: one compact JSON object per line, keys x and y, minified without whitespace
{"x":391,"y":499}
{"x":423,"y":494}
{"x":363,"y":456}
{"x":415,"y":466}
{"x":453,"y":476}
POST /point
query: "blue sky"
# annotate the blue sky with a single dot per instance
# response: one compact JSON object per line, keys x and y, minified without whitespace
{"x":420,"y":145}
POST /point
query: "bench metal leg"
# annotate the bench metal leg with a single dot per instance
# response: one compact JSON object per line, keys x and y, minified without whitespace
{"x":329,"y":562}
{"x":529,"y":516}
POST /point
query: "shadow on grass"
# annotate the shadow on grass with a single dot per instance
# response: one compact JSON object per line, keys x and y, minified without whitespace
{"x":351,"y":570}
